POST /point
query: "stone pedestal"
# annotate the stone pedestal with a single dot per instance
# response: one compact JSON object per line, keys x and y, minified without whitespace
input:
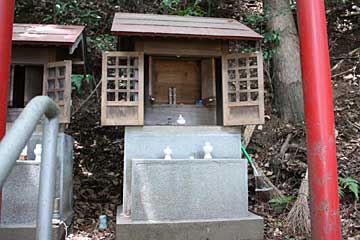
{"x":183,"y":198}
{"x":20,"y":191}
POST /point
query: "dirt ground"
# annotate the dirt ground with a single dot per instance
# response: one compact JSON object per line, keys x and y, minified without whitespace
{"x":99,"y":150}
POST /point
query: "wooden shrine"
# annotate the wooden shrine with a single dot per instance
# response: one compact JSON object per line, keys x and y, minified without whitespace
{"x":43,"y":59}
{"x":168,"y":66}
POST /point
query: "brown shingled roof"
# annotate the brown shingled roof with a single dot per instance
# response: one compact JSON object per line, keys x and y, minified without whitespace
{"x":48,"y":34}
{"x":134,"y":24}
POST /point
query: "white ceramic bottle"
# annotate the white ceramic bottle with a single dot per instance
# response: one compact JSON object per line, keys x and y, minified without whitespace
{"x":167,"y":152}
{"x":208,"y":148}
{"x":37,"y":152}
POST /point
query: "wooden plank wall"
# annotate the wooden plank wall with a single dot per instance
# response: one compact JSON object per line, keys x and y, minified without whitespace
{"x":179,"y":47}
{"x":184,"y":75}
{"x":33,"y":55}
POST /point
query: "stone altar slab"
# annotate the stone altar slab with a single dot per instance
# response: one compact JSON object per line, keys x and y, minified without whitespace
{"x":189,"y":189}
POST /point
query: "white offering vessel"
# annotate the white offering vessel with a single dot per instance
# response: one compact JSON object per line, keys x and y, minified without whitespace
{"x":167,"y":152}
{"x":37,"y":152}
{"x":208,"y":148}
{"x":181,"y":120}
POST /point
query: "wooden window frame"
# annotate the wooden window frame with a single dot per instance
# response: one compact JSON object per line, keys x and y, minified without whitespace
{"x":139,"y":103}
{"x":258,"y":105}
{"x":65,"y":103}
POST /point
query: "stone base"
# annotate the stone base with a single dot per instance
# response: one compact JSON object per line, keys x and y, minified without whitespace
{"x":27,"y":232}
{"x":246,"y":228}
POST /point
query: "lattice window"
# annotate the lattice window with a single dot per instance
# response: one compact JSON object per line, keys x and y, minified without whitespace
{"x":243,"y":89}
{"x":122,"y":79}
{"x":122,"y":88}
{"x":57,"y":85}
{"x":243,"y":81}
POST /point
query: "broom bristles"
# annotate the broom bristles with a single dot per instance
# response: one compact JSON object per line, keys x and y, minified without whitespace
{"x":298,"y":218}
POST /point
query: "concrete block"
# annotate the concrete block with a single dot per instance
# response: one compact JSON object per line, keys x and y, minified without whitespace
{"x":189,"y":189}
{"x":148,"y":143}
{"x":27,"y":232}
{"x":20,"y":191}
{"x":250,"y":227}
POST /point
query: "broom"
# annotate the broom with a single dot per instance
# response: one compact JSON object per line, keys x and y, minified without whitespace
{"x":263,"y":185}
{"x":297,"y":221}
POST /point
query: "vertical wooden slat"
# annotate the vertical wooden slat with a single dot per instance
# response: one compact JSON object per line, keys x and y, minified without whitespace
{"x":261,"y":86}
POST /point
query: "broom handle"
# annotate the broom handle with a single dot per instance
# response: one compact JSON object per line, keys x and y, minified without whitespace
{"x":247,"y":156}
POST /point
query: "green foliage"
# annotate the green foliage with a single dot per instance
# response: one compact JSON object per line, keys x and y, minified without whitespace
{"x":97,"y":16}
{"x":349,"y":184}
{"x":279,"y":204}
{"x":77,"y":81}
{"x":78,"y":15}
{"x":103,"y":42}
{"x":168,"y":5}
{"x":175,"y":7}
{"x":271,"y":39}
{"x":255,"y":19}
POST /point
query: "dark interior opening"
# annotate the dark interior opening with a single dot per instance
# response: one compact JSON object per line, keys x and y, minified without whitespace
{"x":18,"y":91}
{"x":26,"y":82}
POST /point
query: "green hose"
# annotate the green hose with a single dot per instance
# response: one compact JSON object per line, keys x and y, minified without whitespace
{"x":247,"y":156}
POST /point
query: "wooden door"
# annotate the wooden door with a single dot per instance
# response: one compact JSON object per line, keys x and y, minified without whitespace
{"x":184,"y":75}
{"x":122,"y":88}
{"x":57,"y":85}
{"x":243,"y":89}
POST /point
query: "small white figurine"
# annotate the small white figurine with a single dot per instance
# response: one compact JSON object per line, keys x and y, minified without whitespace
{"x":37,"y":152}
{"x":208,"y":148}
{"x":181,"y":120}
{"x":23,"y":154}
{"x":167,"y":152}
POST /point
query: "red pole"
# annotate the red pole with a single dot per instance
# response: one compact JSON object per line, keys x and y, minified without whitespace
{"x":6,"y":25}
{"x":319,"y":117}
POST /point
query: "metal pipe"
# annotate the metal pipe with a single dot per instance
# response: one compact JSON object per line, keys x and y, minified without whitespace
{"x":6,"y":20}
{"x":319,"y":117}
{"x":47,"y":179}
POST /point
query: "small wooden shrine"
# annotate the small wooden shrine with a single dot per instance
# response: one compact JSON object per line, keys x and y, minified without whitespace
{"x":43,"y":59}
{"x":209,"y":70}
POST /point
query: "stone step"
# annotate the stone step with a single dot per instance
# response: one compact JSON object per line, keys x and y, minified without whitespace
{"x":250,"y":227}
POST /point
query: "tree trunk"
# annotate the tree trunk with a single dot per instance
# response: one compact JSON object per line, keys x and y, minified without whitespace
{"x":286,"y":62}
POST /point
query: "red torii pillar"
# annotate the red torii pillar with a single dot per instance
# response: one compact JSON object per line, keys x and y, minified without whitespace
{"x":6,"y":25}
{"x":319,"y":118}
{"x":325,"y":219}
